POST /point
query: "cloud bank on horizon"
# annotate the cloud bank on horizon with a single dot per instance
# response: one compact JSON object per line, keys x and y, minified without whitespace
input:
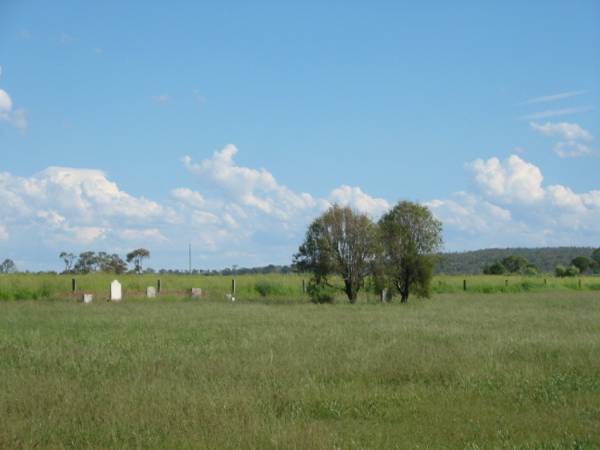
{"x":243,"y":215}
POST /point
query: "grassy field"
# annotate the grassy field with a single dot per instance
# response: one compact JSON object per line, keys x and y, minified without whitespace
{"x":272,"y":287}
{"x":459,"y":371}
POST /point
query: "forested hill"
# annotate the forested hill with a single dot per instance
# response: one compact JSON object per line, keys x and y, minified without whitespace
{"x":545,"y":258}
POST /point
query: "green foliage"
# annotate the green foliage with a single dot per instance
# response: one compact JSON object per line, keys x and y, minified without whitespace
{"x":496,"y":268}
{"x":562,"y":271}
{"x":320,"y":292}
{"x":515,"y":264}
{"x":86,"y":262}
{"x":582,"y":263}
{"x":596,"y":256}
{"x":531,"y":270}
{"x":410,"y":237}
{"x":69,"y":260}
{"x":340,"y":242}
{"x":511,"y":264}
{"x":572,"y":271}
{"x":473,"y":262}
{"x":8,"y":266}
{"x":137,"y":257}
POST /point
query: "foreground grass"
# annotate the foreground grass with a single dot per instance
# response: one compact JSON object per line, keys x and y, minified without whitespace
{"x":457,"y":371}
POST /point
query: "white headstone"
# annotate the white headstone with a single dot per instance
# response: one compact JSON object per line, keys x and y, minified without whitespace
{"x":87,"y":298}
{"x":196,"y":292}
{"x":150,"y":292}
{"x":115,"y":291}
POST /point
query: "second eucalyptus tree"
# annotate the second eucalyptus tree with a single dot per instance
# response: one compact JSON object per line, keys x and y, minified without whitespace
{"x":410,"y":237}
{"x":340,"y":242}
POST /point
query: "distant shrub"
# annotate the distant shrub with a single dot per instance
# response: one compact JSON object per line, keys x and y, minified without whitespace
{"x":582,"y":263}
{"x":573,"y":271}
{"x":266,"y":288}
{"x":495,"y":269}
{"x":320,"y":292}
{"x":562,"y":271}
{"x":531,"y":271}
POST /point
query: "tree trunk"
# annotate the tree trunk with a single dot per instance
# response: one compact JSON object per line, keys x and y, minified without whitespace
{"x":350,"y":291}
{"x":404,"y":290}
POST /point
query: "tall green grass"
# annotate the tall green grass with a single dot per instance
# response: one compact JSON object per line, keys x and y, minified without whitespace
{"x":271,"y":287}
{"x":459,"y":371}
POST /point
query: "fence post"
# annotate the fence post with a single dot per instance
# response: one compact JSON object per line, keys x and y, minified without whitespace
{"x":158,"y":286}
{"x":73,"y":285}
{"x":233,"y":286}
{"x":303,"y":287}
{"x":545,"y":282}
{"x":464,"y":285}
{"x":383,"y":296}
{"x":506,"y":283}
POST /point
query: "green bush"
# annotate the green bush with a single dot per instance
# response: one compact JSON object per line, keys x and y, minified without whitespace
{"x":267,"y":288}
{"x":560,"y":271}
{"x":320,"y":292}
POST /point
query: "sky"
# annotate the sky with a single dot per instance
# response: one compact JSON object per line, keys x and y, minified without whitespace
{"x":231,"y":125}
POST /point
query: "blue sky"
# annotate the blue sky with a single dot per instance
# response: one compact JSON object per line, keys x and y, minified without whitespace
{"x":487,"y":114}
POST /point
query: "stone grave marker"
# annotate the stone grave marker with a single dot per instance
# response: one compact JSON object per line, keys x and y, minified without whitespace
{"x":151,"y":292}
{"x":196,"y":292}
{"x":116,"y":293}
{"x":87,"y":298}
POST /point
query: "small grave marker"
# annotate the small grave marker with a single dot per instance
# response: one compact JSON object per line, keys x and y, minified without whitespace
{"x":87,"y":298}
{"x":383,"y":296}
{"x":116,"y":293}
{"x":196,"y":292}
{"x":151,"y":292}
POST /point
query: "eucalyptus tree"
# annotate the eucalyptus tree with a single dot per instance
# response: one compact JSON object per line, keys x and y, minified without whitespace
{"x":340,"y":242}
{"x":68,"y":258}
{"x":86,"y":263}
{"x":8,"y":266}
{"x":137,"y":256}
{"x":410,"y":239}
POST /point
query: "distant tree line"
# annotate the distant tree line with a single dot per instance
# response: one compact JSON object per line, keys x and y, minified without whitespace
{"x":235,"y":270}
{"x":512,"y":264}
{"x":516,"y":264}
{"x":545,"y":259}
{"x":580,"y":265}
{"x":8,"y":266}
{"x":395,"y":255}
{"x":89,"y":262}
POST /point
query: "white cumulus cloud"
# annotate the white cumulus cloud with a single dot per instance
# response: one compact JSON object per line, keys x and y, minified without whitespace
{"x":359,"y":200}
{"x":514,"y":180}
{"x":252,"y":188}
{"x":512,"y":207}
{"x":243,"y":215}
{"x":74,"y":205}
{"x":16,"y":117}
